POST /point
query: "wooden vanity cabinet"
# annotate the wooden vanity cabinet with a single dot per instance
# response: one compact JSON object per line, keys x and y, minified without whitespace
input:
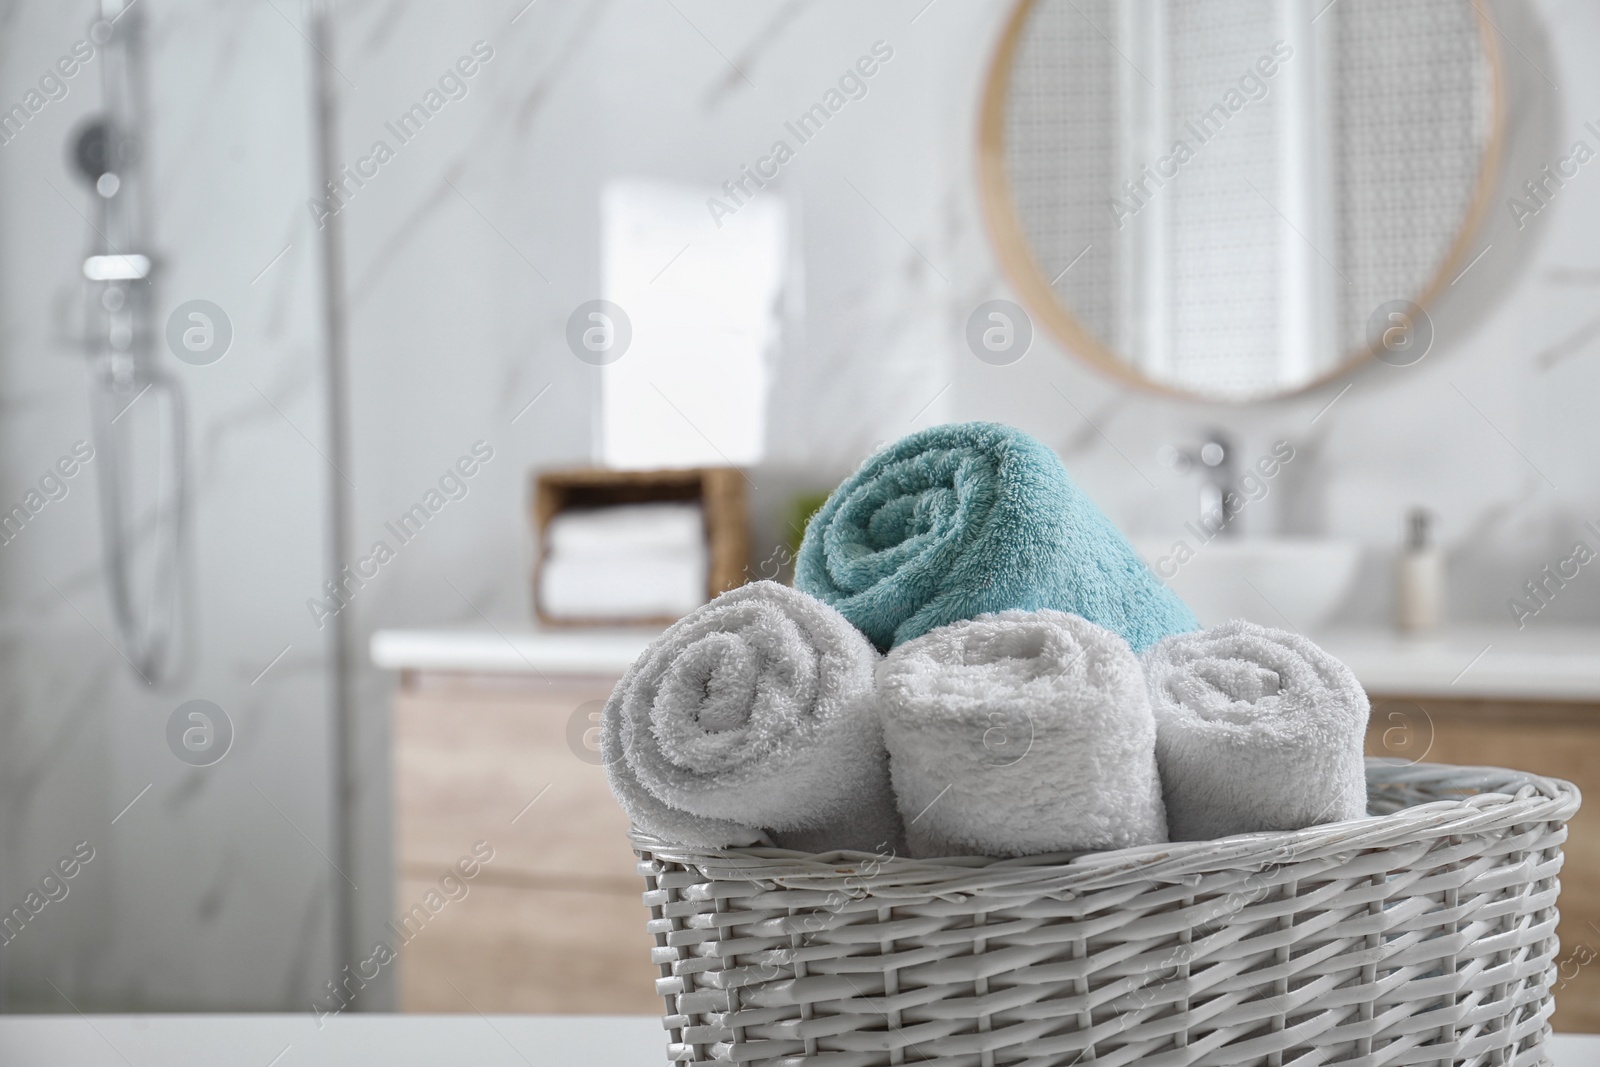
{"x":553,"y":922}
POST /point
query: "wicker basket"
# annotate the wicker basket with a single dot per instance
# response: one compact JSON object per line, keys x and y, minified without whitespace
{"x":1426,"y":935}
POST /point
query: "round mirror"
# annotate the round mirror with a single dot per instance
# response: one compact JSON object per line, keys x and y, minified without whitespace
{"x":1237,"y":201}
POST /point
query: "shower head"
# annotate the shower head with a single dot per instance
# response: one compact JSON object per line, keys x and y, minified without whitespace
{"x":91,"y":151}
{"x":99,"y":153}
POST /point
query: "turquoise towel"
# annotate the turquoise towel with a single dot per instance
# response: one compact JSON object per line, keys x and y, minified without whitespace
{"x":955,"y":521}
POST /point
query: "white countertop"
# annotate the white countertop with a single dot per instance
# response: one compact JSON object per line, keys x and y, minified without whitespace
{"x":387,"y":1040}
{"x":1539,"y":663}
{"x":354,"y":1040}
{"x":577,"y":651}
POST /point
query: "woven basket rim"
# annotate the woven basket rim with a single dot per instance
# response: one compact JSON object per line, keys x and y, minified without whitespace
{"x":1501,"y":798}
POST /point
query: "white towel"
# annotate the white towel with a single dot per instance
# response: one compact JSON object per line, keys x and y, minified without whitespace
{"x":1256,"y":729}
{"x":641,"y":584}
{"x":753,"y":714}
{"x":619,"y":529}
{"x":625,"y":561}
{"x":1020,"y":733}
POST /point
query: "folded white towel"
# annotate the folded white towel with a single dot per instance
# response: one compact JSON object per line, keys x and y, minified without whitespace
{"x":1020,"y":733}
{"x":1256,"y":729}
{"x":619,"y":529}
{"x":653,"y":584}
{"x":753,"y":714}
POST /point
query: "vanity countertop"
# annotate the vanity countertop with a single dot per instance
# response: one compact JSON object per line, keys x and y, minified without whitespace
{"x":585,"y":650}
{"x":1539,"y":663}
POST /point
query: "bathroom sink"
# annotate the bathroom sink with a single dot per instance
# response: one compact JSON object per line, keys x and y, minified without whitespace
{"x":1278,"y":581}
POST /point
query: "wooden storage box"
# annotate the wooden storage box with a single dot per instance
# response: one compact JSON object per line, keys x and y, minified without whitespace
{"x":720,"y":491}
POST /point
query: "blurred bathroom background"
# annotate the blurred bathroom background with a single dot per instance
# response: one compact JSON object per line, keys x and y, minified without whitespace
{"x":361,"y":345}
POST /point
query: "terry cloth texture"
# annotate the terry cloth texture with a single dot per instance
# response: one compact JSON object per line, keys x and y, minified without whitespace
{"x":1019,"y":734}
{"x":959,"y":520}
{"x":753,"y":713}
{"x":1256,"y":729}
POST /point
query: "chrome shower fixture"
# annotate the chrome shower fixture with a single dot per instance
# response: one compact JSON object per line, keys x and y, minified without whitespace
{"x":138,"y":410}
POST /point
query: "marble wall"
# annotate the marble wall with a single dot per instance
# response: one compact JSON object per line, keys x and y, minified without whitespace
{"x":470,"y":239}
{"x":211,"y":891}
{"x":472,"y":247}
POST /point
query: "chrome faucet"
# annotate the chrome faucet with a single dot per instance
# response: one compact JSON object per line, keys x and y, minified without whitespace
{"x":1213,"y":459}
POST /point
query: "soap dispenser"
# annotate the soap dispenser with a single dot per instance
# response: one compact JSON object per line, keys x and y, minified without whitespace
{"x":1419,"y":578}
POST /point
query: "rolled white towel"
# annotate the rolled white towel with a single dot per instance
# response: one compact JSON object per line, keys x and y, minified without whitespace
{"x":1256,"y":729}
{"x":753,"y":713}
{"x":1020,"y":733}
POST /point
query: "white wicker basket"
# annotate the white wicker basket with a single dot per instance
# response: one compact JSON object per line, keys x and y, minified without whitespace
{"x":1426,"y":935}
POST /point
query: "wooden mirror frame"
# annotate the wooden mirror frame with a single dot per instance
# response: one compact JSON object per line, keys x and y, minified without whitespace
{"x":1038,"y":295}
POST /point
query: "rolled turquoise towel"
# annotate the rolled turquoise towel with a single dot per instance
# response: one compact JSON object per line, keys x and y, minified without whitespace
{"x":958,"y":520}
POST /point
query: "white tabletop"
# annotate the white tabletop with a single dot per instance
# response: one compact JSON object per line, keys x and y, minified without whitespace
{"x":389,"y":1040}
{"x":1538,"y":663}
{"x":341,"y":1041}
